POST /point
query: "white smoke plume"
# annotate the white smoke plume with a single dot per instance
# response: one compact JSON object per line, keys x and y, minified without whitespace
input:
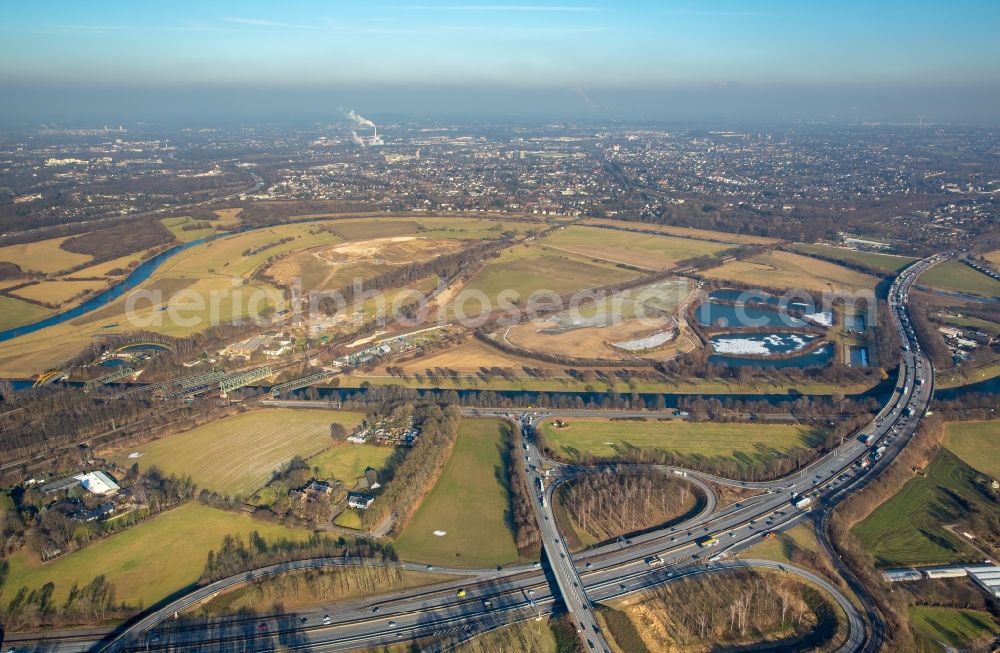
{"x":359,"y":120}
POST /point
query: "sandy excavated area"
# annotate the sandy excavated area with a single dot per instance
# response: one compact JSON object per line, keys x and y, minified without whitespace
{"x":368,"y":250}
{"x":585,"y":342}
{"x":320,"y":266}
{"x":652,"y":312}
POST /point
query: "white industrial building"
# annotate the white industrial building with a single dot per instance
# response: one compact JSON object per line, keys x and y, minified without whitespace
{"x":949,"y":571}
{"x":901,"y":575}
{"x":97,"y":482}
{"x":987,"y":577}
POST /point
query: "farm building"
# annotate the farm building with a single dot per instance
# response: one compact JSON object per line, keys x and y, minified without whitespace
{"x":51,"y":487}
{"x":313,"y":491}
{"x":359,"y":501}
{"x":102,"y":511}
{"x":98,"y":483}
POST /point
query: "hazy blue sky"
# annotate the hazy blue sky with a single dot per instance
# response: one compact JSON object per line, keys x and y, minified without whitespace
{"x":888,"y":56}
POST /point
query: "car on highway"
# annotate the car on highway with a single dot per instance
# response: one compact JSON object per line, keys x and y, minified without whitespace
{"x":327,"y":621}
{"x":392,"y":624}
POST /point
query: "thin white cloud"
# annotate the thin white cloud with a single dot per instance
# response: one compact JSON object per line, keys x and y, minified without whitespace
{"x":504,"y":8}
{"x":720,"y":13}
{"x":98,"y":29}
{"x":242,"y":24}
{"x":262,"y":22}
{"x":89,"y":28}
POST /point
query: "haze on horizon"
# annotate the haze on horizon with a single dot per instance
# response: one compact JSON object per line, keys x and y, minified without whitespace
{"x":768,"y":60}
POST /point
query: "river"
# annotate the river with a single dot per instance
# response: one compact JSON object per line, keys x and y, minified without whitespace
{"x":141,"y":273}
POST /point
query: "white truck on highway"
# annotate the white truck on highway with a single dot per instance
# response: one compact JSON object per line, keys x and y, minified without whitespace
{"x":541,"y":491}
{"x":801,"y":501}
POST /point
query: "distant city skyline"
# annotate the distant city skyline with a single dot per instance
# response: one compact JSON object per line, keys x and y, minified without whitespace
{"x":774,"y":59}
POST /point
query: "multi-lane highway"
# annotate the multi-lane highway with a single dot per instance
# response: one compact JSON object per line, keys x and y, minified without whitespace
{"x":564,"y":570}
{"x":786,"y":499}
{"x":492,"y":598}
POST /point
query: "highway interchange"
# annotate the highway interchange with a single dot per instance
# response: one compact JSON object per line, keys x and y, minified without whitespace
{"x":495,"y":597}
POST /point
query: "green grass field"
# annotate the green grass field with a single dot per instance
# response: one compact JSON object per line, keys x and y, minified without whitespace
{"x":176,"y":227}
{"x":58,"y":291}
{"x":44,"y":256}
{"x":450,"y":227}
{"x":529,"y":269}
{"x":780,"y":548}
{"x":642,"y":250}
{"x":780,"y":270}
{"x":908,"y":528}
{"x":977,"y":444}
{"x":237,"y":455}
{"x":959,"y":277}
{"x":469,"y":502}
{"x":345,"y":462}
{"x":14,"y":313}
{"x":606,"y":438}
{"x":146,"y":562}
{"x":958,"y":628}
{"x":349,"y":519}
{"x":682,"y":232}
{"x":887,"y":263}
